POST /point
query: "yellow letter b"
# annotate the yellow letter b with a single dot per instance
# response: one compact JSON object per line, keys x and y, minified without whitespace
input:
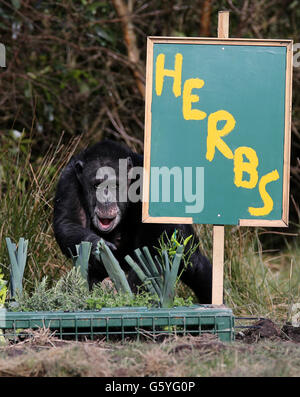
{"x":250,"y":167}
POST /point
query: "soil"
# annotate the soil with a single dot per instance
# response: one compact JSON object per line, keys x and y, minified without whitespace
{"x":267,"y":329}
{"x":292,"y":333}
{"x":263,"y":329}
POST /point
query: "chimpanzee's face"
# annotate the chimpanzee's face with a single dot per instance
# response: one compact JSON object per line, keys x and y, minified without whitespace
{"x":105,"y":188}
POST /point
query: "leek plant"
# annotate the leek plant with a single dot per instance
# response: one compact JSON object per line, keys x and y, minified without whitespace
{"x":17,"y":258}
{"x":81,"y":260}
{"x":159,"y":277}
{"x":113,"y":268}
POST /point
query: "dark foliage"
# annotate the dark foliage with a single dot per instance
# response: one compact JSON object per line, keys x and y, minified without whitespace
{"x":69,"y":66}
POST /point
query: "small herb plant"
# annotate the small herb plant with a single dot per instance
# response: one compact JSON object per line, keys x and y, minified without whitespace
{"x":107,"y":297}
{"x":170,"y":245}
{"x":71,"y":294}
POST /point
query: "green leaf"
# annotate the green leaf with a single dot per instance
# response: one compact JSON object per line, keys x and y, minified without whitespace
{"x":152,"y":267}
{"x":141,"y":275}
{"x":187,"y":240}
{"x":171,"y":278}
{"x":142,"y":261}
{"x":81,"y":260}
{"x":147,"y":270}
{"x":113,"y":268}
{"x":158,"y":277}
{"x":166,"y":262}
{"x":17,"y":258}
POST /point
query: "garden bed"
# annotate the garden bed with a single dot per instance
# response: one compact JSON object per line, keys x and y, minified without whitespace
{"x":121,"y":323}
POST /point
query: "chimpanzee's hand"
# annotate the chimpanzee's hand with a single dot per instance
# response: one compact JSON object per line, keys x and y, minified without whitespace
{"x":110,"y":245}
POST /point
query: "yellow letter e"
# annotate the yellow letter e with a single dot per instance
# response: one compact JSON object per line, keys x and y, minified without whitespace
{"x":188,"y":99}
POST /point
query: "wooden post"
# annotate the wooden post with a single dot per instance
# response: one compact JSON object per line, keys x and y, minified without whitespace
{"x":223,"y":24}
{"x":218,"y":265}
{"x":218,"y":231}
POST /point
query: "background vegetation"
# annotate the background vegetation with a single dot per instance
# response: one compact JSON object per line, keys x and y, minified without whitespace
{"x":75,"y":74}
{"x":79,"y":66}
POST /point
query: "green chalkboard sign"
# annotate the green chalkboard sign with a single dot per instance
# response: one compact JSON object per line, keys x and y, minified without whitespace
{"x":217,"y":131}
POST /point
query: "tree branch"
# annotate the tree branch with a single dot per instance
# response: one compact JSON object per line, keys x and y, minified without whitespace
{"x":205,"y":19}
{"x":130,"y":41}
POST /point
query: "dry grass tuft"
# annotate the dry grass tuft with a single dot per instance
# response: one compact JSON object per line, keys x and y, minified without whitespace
{"x":73,"y":360}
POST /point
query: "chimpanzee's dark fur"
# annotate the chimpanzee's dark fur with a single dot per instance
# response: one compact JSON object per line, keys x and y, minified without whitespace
{"x":74,"y":212}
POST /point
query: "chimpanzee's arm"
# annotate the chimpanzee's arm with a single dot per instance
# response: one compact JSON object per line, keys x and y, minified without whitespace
{"x":71,"y":223}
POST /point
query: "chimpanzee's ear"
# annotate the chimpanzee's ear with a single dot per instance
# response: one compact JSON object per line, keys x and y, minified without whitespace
{"x":78,"y":167}
{"x":129,"y":163}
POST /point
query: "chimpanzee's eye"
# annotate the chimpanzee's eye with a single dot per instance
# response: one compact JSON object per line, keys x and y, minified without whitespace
{"x":98,"y":183}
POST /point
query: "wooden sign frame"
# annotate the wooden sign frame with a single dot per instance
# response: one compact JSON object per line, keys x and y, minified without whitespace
{"x":283,"y":222}
{"x":218,"y":230}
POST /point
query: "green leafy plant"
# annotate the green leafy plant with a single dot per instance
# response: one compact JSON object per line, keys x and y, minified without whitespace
{"x":108,"y":297}
{"x":113,"y":268}
{"x":81,"y":260}
{"x":159,"y":275}
{"x":71,"y":291}
{"x":69,"y":294}
{"x":170,"y":245}
{"x":180,"y":301}
{"x":159,"y":278}
{"x":41,"y":299}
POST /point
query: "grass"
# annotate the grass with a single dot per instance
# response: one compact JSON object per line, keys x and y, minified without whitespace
{"x":257,"y":282}
{"x":26,"y":194}
{"x":253,"y":286}
{"x":201,"y":356}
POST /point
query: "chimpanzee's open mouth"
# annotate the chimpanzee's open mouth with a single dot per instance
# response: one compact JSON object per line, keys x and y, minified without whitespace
{"x":106,"y":223}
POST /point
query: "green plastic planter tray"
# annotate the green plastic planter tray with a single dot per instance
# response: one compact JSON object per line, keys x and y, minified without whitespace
{"x":122,"y":322}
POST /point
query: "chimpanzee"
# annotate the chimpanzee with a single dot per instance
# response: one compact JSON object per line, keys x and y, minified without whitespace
{"x":87,"y":208}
